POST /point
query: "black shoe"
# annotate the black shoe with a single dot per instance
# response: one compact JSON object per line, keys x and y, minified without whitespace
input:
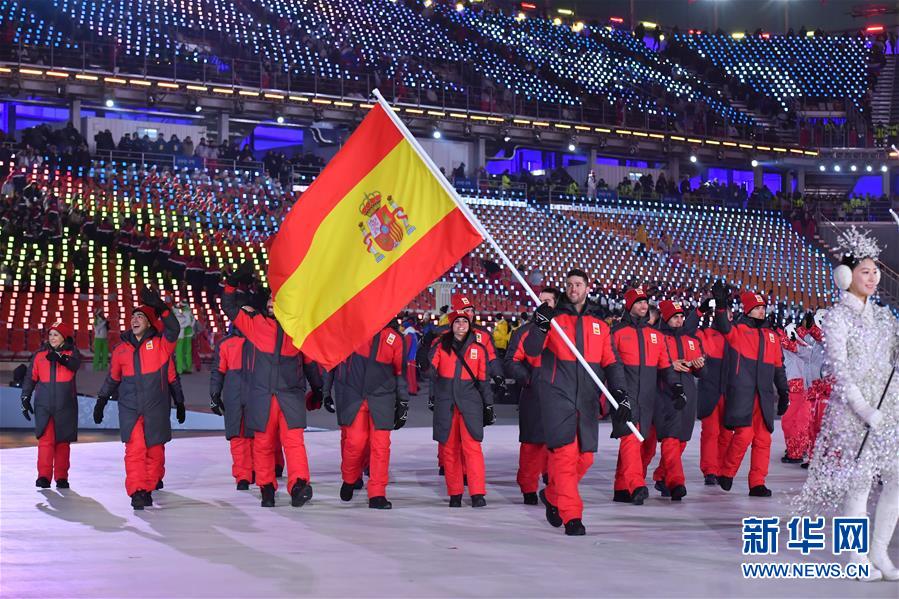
{"x":279,"y":471}
{"x":379,"y":503}
{"x":300,"y":493}
{"x":760,"y":491}
{"x":711,"y":480}
{"x":804,"y":465}
{"x":661,"y":488}
{"x":639,"y":495}
{"x":243,"y":485}
{"x":441,"y":471}
{"x":788,"y":460}
{"x":575,"y":528}
{"x":478,"y":501}
{"x":678,"y":493}
{"x":148,"y":498}
{"x":268,"y":495}
{"x":725,"y":482}
{"x":455,"y":501}
{"x":43,"y":482}
{"x":359,"y":485}
{"x":137,"y":500}
{"x":530,"y":498}
{"x":552,"y":512}
{"x":622,"y":496}
{"x":159,"y":485}
{"x":62,"y":483}
{"x":346,"y":491}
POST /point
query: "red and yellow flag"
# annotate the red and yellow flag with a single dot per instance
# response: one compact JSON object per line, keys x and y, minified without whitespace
{"x":374,"y":229}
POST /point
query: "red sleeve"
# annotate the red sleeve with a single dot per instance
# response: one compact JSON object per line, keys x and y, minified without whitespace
{"x":608,"y":354}
{"x":115,"y":365}
{"x":664,"y":354}
{"x":398,"y":351}
{"x":482,"y":366}
{"x":172,"y":371}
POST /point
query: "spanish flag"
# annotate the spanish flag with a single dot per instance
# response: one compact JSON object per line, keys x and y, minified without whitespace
{"x":377,"y":226}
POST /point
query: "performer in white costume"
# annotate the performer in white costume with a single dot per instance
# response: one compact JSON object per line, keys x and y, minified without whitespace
{"x":862,"y":349}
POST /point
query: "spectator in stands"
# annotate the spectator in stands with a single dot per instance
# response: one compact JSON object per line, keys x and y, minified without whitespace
{"x":101,"y":342}
{"x":174,"y":146}
{"x":201,"y":151}
{"x":159,"y":145}
{"x":591,"y":184}
{"x":51,"y":376}
{"x":642,"y":238}
{"x":125,"y":145}
{"x":459,"y":174}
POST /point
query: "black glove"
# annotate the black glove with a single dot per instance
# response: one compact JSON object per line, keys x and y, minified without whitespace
{"x":489,"y":415}
{"x":543,"y":316}
{"x":400,"y":415}
{"x":721,"y":295}
{"x":52,"y":356}
{"x":314,"y":399}
{"x":241,"y":275}
{"x":328,"y":402}
{"x":180,"y":412}
{"x":622,"y":415}
{"x":783,"y":402}
{"x":500,"y":391}
{"x":431,"y":403}
{"x":680,"y":398}
{"x":102,"y":400}
{"x":705,"y":307}
{"x":150,"y":297}
{"x":26,"y":407}
{"x":216,"y":404}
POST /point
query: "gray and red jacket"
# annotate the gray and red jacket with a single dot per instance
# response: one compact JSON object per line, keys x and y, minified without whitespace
{"x":140,"y":373}
{"x":644,"y":358}
{"x":755,"y":361}
{"x":570,"y":402}
{"x":277,"y":369}
{"x":713,"y":383}
{"x":481,"y":335}
{"x":52,"y":388}
{"x":455,"y":389}
{"x":229,"y":373}
{"x":669,"y":422}
{"x":525,"y":370}
{"x":372,"y":373}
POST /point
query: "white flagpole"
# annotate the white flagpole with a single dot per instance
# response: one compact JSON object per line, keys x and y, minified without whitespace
{"x":449,"y":189}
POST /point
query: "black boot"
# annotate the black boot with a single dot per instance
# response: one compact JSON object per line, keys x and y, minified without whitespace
{"x":62,"y":483}
{"x":661,"y":488}
{"x":678,"y":493}
{"x":300,"y":493}
{"x":268,"y":495}
{"x":575,"y":528}
{"x":359,"y":485}
{"x":711,"y":480}
{"x":552,"y":512}
{"x":148,"y":498}
{"x":805,"y":465}
{"x":441,"y":471}
{"x":279,"y":471}
{"x":379,"y":503}
{"x":622,"y":496}
{"x":43,"y":482}
{"x":243,"y":485}
{"x":346,"y":491}
{"x":639,"y":495}
{"x":530,"y":498}
{"x":786,"y":459}
{"x":760,"y":491}
{"x":159,"y":485}
{"x":137,"y":500}
{"x":478,"y":501}
{"x":455,"y":501}
{"x":725,"y":482}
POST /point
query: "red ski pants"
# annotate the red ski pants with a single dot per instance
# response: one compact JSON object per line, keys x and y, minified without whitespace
{"x":291,"y":439}
{"x":758,"y":435}
{"x":144,"y":466}
{"x":714,"y":440}
{"x":567,"y":465}
{"x":52,"y":457}
{"x":460,"y":445}
{"x":364,"y":445}
{"x":532,"y":462}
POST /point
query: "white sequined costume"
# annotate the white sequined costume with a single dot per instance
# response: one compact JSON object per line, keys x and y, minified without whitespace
{"x":862,"y":345}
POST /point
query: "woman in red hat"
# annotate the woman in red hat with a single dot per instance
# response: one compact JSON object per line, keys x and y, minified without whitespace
{"x":462,"y":407}
{"x":51,"y":381}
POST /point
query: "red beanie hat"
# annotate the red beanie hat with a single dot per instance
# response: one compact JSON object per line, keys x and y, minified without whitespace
{"x":456,"y":315}
{"x":62,"y":328}
{"x":669,"y":308}
{"x":150,"y":313}
{"x":750,"y":301}
{"x":460,"y":302}
{"x":632,"y":296}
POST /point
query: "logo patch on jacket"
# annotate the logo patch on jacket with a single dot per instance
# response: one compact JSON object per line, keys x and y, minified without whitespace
{"x":149,"y":345}
{"x":690,"y":344}
{"x":391,"y":338}
{"x":473,"y":355}
{"x":653,"y":339}
{"x":771,"y":337}
{"x":596,"y":329}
